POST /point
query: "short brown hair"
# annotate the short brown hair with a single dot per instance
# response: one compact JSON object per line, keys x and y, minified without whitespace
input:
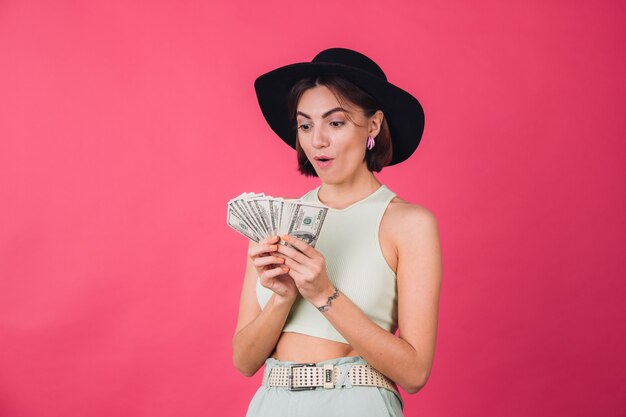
{"x":377,"y":158}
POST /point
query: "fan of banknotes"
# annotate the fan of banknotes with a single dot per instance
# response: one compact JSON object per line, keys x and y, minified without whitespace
{"x":257,"y":216}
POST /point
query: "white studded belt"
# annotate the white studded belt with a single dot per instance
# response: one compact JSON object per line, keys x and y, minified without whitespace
{"x":308,"y":376}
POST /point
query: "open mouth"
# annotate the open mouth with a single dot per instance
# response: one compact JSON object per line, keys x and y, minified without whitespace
{"x":323,"y":161}
{"x":322,"y":158}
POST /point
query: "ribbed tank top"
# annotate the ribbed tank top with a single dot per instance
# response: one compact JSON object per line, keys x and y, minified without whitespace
{"x":355,"y":265}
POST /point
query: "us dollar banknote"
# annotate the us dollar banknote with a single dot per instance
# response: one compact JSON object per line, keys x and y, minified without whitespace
{"x":257,"y":216}
{"x":306,"y":222}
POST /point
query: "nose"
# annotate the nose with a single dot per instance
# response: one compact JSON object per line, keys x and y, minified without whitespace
{"x":320,"y":138}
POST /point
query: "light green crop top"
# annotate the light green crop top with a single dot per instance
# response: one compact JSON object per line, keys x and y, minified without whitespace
{"x":355,"y":265}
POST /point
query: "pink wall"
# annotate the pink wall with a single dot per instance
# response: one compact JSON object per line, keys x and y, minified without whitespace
{"x":126,"y":126}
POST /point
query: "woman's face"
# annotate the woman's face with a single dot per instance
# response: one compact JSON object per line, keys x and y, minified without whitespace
{"x":334,"y":144}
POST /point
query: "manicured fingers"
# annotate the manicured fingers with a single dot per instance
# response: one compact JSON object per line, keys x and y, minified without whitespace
{"x":267,"y":245}
{"x":258,"y":250}
{"x":268,"y":260}
{"x":301,"y":245}
{"x":294,"y":267}
{"x":292,"y":253}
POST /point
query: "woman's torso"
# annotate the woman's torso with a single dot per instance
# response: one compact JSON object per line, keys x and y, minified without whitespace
{"x":298,"y":347}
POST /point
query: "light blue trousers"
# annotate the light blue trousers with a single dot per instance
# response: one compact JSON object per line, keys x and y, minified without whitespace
{"x":344,"y":401}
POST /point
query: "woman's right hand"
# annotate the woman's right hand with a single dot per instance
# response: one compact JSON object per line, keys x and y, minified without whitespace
{"x":272,"y":272}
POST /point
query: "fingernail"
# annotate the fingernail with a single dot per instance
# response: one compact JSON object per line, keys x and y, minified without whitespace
{"x":281,"y":260}
{"x":274,"y":248}
{"x":285,"y":269}
{"x":286,"y":237}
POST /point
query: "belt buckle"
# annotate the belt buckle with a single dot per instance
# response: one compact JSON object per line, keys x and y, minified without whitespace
{"x":290,"y":386}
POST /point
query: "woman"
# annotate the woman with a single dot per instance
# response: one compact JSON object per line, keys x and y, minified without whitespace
{"x":323,"y":320}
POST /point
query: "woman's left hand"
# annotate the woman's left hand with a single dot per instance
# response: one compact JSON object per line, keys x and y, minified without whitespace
{"x":307,"y":267}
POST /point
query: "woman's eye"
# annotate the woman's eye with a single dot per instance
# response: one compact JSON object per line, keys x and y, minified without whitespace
{"x":336,"y":123}
{"x":304,"y":126}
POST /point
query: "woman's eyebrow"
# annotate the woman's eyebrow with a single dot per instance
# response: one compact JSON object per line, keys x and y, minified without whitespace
{"x":328,"y":113}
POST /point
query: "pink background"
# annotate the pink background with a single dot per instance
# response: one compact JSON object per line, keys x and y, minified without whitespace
{"x":126,"y":126}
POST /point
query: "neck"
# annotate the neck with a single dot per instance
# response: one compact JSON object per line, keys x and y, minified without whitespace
{"x":342,"y":195}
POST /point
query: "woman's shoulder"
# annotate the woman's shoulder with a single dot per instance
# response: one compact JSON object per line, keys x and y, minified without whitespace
{"x":406,"y":226}
{"x":405,"y":218}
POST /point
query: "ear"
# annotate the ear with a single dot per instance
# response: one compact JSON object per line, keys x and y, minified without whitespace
{"x":375,"y":122}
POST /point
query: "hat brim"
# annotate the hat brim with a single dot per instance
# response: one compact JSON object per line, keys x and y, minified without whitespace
{"x":403,"y":112}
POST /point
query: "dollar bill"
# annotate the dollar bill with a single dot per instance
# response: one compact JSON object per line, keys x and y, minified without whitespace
{"x":238,"y":216}
{"x":237,"y":223}
{"x":257,"y":216}
{"x":306,"y":222}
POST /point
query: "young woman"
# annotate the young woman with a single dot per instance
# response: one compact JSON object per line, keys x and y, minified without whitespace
{"x":323,"y":320}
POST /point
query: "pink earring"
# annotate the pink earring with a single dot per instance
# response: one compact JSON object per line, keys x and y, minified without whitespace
{"x":370,"y":142}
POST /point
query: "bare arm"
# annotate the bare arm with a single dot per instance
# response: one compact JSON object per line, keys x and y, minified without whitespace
{"x":406,"y":359}
{"x":257,"y":330}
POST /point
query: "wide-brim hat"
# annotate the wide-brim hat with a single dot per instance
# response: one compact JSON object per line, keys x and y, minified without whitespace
{"x":403,"y":112}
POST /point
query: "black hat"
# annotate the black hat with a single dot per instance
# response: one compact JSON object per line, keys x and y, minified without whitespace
{"x":403,"y":112}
